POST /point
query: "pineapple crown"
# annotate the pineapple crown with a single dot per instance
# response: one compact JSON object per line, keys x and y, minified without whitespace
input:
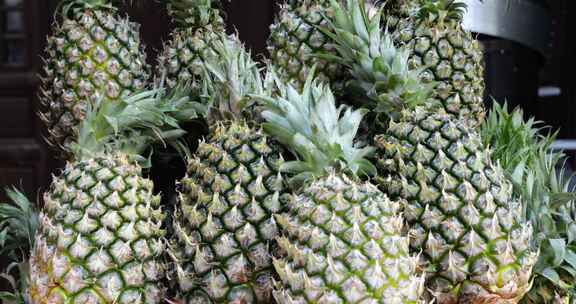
{"x":130,"y":125}
{"x":71,"y":7}
{"x":442,"y":10}
{"x":195,"y":13}
{"x":513,"y":139}
{"x":380,"y":70}
{"x":310,"y":124}
{"x":232,"y":76}
{"x":18,"y":223}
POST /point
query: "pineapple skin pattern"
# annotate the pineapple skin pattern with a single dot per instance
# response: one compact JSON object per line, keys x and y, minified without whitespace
{"x":100,"y":238}
{"x":92,"y":55}
{"x":183,"y":57}
{"x":345,"y":244}
{"x":460,"y":209}
{"x":447,"y":54}
{"x":225,"y":230}
{"x":294,"y":40}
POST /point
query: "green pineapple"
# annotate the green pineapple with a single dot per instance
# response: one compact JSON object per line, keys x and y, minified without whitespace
{"x":549,"y":199}
{"x":100,"y":238}
{"x":18,"y":224}
{"x":92,"y":54}
{"x":450,"y":56}
{"x":224,"y":228}
{"x":183,"y":59}
{"x":295,"y":39}
{"x":475,"y":244}
{"x":343,"y":237}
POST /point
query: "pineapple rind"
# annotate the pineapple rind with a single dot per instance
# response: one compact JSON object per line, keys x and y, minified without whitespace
{"x":183,"y":58}
{"x":93,"y":55}
{"x":344,"y":244}
{"x":450,"y":57}
{"x":225,"y":230}
{"x":295,"y":40}
{"x":460,"y":209}
{"x":100,"y":238}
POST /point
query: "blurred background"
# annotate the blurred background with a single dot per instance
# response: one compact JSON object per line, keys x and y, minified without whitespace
{"x":530,"y":50}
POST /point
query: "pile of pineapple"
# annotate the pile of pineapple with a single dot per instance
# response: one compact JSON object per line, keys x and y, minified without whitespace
{"x":355,"y":165}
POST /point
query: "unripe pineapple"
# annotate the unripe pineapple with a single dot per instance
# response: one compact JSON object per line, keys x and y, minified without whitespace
{"x":344,"y":244}
{"x":183,"y":59}
{"x":547,"y":193}
{"x":460,"y":208}
{"x":224,"y":228}
{"x":100,"y":238}
{"x":475,"y":244}
{"x":296,"y":39}
{"x":431,"y":30}
{"x":93,"y":54}
{"x":343,"y":237}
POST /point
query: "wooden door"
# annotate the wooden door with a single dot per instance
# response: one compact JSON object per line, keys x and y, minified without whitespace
{"x":23,"y":155}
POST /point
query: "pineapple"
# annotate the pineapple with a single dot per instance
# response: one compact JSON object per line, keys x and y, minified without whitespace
{"x":463,"y":217}
{"x":549,"y":199}
{"x":295,"y":39}
{"x":93,"y":54}
{"x":224,"y":229}
{"x":342,"y":237}
{"x":432,"y":32}
{"x":198,"y":24}
{"x":100,"y":238}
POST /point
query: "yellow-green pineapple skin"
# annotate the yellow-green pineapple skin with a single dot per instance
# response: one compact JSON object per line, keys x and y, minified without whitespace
{"x":345,"y":244}
{"x":449,"y":56}
{"x":183,"y":58}
{"x":225,"y":228}
{"x":295,"y":40}
{"x":91,"y":55}
{"x":460,"y":209}
{"x":100,"y":239}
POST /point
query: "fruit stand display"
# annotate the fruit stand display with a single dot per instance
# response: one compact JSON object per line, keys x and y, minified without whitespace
{"x":356,"y":163}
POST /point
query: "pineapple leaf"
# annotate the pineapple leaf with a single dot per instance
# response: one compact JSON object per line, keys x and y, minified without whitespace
{"x":19,"y":222}
{"x":193,"y":14}
{"x":233,"y":76}
{"x":442,"y":10}
{"x":551,"y":274}
{"x":559,"y":249}
{"x":570,"y":258}
{"x":380,"y":70}
{"x":132,"y":124}
{"x":549,"y":201}
{"x":309,"y":124}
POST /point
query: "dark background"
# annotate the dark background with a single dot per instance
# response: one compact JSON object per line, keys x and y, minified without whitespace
{"x":513,"y":72}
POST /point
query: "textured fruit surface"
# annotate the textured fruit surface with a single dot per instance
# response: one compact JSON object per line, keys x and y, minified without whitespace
{"x":344,"y":244}
{"x":225,"y":229}
{"x":448,"y":55}
{"x":459,"y":208}
{"x":100,"y":239}
{"x":295,"y":40}
{"x":183,"y":59}
{"x":90,"y":56}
